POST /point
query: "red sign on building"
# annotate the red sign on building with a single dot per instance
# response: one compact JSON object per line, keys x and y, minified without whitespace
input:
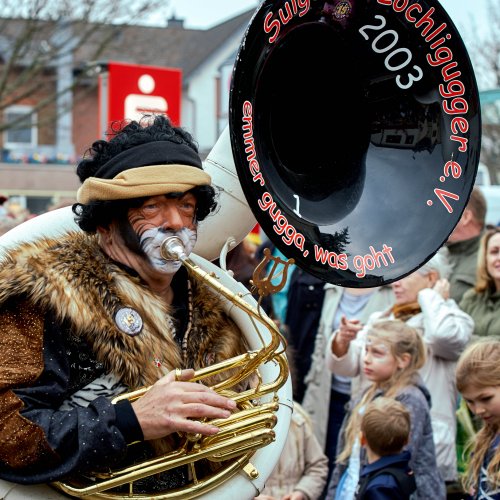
{"x":129,"y":91}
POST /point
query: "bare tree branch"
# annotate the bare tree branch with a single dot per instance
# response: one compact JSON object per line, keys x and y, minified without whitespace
{"x":37,"y":36}
{"x":484,"y":50}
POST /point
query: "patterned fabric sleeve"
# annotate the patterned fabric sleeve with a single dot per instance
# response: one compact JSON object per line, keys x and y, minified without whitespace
{"x":38,"y":442}
{"x":22,"y":442}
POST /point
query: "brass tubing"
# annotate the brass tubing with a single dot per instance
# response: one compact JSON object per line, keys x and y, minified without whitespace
{"x":251,"y":440}
{"x":185,"y":493}
{"x":240,"y":436}
{"x":200,"y":374}
{"x":240,"y":397}
{"x":242,"y":415}
{"x":262,"y":421}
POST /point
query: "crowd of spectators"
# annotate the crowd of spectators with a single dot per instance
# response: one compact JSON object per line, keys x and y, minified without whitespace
{"x":451,"y":300}
{"x":11,"y":214}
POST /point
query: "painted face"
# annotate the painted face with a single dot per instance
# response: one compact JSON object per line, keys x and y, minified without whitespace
{"x":159,"y":217}
{"x":493,"y":259}
{"x":484,"y":402}
{"x":406,"y":289}
{"x":379,"y":364}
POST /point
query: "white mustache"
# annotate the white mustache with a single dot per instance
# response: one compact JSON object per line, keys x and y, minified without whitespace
{"x":152,"y":239}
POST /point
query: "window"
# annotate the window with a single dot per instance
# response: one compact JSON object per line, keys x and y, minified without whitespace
{"x":24,"y":132}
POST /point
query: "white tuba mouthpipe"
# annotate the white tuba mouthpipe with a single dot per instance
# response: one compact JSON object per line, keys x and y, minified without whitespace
{"x":233,"y":217}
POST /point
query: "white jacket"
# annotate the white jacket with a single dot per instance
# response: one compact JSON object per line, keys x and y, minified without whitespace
{"x":318,"y":381}
{"x":446,"y":330}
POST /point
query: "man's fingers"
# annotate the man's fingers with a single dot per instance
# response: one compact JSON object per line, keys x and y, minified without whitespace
{"x":192,"y":387}
{"x":195,"y":427}
{"x":207,"y":398}
{"x":168,"y":408}
{"x":350,"y":323}
{"x":182,"y":393}
{"x":177,"y":375}
{"x":354,"y":324}
{"x":189,"y":392}
{"x":200,"y":410}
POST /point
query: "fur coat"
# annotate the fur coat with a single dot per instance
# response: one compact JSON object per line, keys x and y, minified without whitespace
{"x":68,"y":284}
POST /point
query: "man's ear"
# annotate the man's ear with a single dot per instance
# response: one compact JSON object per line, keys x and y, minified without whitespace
{"x":433,"y":277}
{"x":404,"y":360}
{"x":467,"y":216}
{"x":104,"y":234}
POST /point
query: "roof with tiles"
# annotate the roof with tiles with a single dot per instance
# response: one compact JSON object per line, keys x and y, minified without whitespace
{"x":173,"y":46}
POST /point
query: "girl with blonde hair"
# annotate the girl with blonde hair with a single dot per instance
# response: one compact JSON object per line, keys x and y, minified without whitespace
{"x":478,"y":380}
{"x":422,"y":302}
{"x":393,"y":354}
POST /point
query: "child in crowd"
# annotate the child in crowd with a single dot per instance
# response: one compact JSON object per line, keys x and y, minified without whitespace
{"x":478,"y":380}
{"x":394,"y":352}
{"x":385,"y":431}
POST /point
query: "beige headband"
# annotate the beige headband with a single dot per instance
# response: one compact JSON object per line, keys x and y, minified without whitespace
{"x":151,"y":180}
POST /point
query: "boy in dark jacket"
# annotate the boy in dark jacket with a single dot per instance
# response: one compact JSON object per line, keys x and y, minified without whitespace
{"x":385,"y":429}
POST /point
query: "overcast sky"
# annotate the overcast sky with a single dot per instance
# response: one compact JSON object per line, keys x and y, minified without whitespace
{"x":206,"y":13}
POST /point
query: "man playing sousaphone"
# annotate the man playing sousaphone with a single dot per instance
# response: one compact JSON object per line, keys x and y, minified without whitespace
{"x":92,"y":314}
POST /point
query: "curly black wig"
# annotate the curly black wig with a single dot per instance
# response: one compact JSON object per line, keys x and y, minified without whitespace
{"x":126,"y":135}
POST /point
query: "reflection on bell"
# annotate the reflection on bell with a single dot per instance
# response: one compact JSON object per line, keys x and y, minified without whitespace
{"x":319,"y":157}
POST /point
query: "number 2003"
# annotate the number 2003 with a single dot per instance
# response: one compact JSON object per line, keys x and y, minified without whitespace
{"x":383,"y":43}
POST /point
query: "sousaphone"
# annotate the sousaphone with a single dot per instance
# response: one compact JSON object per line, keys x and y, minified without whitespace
{"x":355,"y":135}
{"x":355,"y":127}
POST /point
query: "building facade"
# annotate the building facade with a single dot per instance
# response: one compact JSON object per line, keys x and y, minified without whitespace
{"x":51,"y":127}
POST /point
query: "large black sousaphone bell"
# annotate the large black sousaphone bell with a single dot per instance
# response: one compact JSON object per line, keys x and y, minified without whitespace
{"x":355,"y":128}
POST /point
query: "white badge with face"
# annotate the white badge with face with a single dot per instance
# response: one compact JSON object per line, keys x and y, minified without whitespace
{"x":129,"y":321}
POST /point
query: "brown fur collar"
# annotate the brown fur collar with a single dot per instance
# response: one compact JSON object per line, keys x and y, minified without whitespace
{"x":72,"y":277}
